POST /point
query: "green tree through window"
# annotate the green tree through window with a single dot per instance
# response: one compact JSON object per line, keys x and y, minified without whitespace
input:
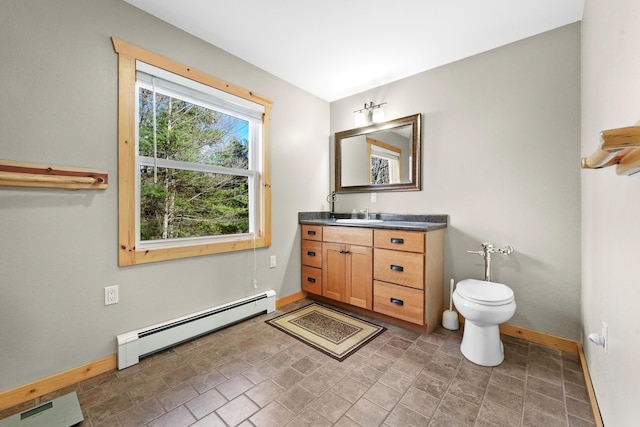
{"x":180,"y":203}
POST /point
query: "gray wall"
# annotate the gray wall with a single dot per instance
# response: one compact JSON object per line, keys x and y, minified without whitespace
{"x":611,"y":208}
{"x":501,"y":147}
{"x":59,"y":248}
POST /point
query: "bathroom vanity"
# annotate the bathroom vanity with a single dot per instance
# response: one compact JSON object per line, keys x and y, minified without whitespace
{"x":389,"y":267}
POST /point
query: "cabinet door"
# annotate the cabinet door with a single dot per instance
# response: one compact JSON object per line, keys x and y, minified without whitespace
{"x":334,"y":267}
{"x":359,"y":289}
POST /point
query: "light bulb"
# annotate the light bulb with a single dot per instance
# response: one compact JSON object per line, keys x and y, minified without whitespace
{"x":378,"y":115}
{"x":361,"y":118}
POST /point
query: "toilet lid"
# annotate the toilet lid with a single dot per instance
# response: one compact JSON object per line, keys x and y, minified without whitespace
{"x":488,"y":293}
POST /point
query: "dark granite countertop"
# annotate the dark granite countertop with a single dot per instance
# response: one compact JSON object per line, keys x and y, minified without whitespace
{"x":391,"y":221}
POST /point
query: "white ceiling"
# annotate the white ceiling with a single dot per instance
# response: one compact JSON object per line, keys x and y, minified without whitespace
{"x":336,"y":48}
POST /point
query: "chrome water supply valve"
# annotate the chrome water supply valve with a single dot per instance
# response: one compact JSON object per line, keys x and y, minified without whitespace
{"x":487,"y":250}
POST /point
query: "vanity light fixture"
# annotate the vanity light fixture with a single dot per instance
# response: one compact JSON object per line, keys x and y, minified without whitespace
{"x":371,"y":113}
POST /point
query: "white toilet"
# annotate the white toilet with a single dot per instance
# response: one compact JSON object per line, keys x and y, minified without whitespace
{"x":484,"y":305}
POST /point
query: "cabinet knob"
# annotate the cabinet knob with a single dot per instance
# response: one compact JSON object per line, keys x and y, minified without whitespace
{"x":396,"y":267}
{"x":397,"y":241}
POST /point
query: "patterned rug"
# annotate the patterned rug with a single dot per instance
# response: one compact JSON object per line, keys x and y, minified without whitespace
{"x":335,"y":334}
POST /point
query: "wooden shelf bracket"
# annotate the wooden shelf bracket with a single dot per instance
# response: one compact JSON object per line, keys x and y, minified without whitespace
{"x":22,"y":174}
{"x":620,"y":147}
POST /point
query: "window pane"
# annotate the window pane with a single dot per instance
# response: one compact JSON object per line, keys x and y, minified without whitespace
{"x":191,"y":133}
{"x":185,"y":203}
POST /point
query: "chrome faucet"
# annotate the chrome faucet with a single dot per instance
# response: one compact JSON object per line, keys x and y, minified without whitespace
{"x":487,"y":250}
{"x":366,"y":213}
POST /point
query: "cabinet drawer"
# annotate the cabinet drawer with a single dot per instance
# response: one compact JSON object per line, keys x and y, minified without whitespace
{"x":312,"y":253}
{"x":399,"y":302}
{"x":312,"y":280}
{"x":410,"y":241}
{"x":312,"y":232}
{"x":404,"y":268}
{"x":348,"y":235}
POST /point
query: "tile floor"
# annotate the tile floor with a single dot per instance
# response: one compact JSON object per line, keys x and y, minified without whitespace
{"x":251,"y":374}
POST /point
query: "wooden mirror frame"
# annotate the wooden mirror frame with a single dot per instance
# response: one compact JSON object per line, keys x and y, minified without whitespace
{"x":415,"y":184}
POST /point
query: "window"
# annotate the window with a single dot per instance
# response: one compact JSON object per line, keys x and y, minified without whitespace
{"x":385,"y":162}
{"x":193,"y":165}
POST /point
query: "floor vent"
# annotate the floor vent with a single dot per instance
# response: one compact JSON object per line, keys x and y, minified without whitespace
{"x":143,"y":342}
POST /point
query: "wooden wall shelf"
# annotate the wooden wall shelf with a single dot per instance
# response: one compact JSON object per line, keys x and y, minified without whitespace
{"x":620,"y":147}
{"x":22,"y":174}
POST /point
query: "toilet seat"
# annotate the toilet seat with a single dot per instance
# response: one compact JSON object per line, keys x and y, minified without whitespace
{"x":485,"y":293}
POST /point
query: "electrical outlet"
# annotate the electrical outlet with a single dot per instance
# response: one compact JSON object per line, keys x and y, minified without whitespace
{"x":272,"y":261}
{"x":111,"y":295}
{"x":374,"y":197}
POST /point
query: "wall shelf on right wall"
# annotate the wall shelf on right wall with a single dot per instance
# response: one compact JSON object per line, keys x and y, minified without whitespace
{"x":620,"y":147}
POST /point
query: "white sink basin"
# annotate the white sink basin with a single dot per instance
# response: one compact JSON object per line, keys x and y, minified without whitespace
{"x":359,"y":221}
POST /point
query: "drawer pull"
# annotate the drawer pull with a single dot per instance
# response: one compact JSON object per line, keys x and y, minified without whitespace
{"x":396,"y":301}
{"x":397,"y":241}
{"x":311,"y":280}
{"x":310,"y":253}
{"x":343,"y":252}
{"x":311,"y":232}
{"x":396,"y":267}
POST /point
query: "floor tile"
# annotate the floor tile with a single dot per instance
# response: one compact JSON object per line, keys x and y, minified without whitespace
{"x":179,"y":417}
{"x":367,"y":413}
{"x":296,"y":399}
{"x":236,"y":411}
{"x":383,"y":396}
{"x":330,"y":406}
{"x":206,"y":403}
{"x":273,"y":415}
{"x":401,"y":416}
{"x":265,"y":393}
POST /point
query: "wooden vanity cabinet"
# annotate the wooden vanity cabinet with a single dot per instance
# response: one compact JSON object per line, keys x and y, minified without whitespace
{"x":395,"y":273}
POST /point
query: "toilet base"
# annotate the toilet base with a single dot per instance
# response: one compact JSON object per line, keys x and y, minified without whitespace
{"x":481,"y":344}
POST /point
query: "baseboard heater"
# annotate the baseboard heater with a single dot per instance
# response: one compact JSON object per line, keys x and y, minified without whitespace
{"x":143,"y":342}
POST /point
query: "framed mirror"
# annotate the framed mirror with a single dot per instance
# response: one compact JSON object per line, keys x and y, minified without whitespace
{"x":380,"y":157}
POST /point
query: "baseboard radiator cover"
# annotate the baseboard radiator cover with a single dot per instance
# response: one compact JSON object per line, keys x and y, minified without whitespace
{"x":136,"y":344}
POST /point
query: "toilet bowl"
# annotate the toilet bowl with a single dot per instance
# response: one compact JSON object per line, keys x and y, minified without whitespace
{"x":484,"y":305}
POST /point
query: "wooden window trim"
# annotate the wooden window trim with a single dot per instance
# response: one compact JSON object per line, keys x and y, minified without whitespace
{"x":128,"y":254}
